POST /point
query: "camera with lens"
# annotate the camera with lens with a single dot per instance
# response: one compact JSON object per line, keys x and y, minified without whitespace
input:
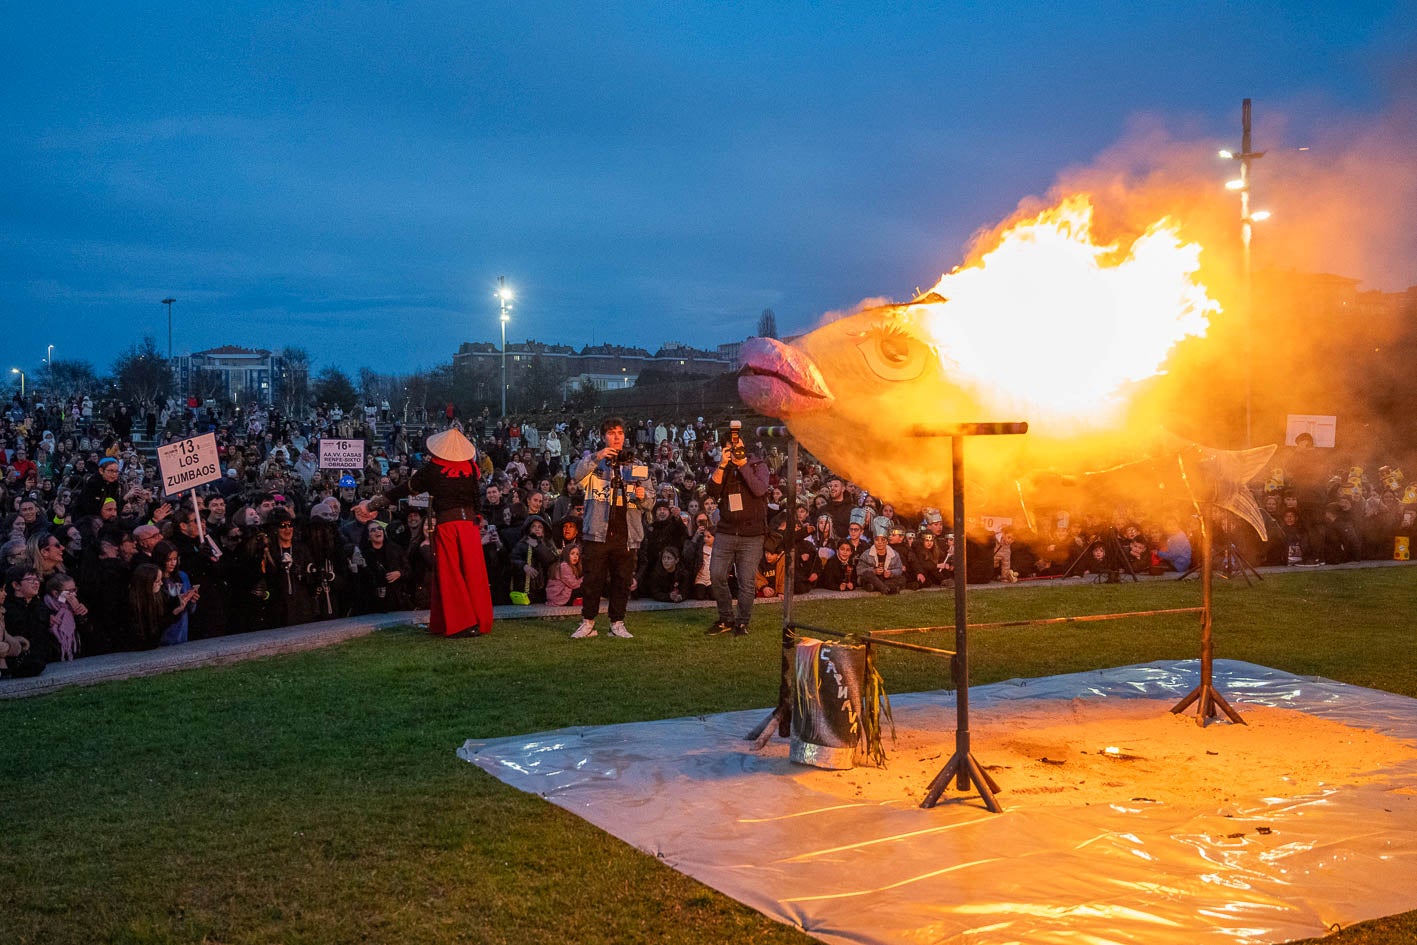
{"x":738,"y":452}
{"x":627,"y":467}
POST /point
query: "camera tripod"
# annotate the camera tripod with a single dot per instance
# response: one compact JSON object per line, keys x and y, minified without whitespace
{"x":1113,"y":545}
{"x":1229,"y":561}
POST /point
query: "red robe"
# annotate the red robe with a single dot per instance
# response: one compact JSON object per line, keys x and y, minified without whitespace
{"x":461,"y":597}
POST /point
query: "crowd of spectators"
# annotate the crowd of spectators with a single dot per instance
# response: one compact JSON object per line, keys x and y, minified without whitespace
{"x":98,"y":560}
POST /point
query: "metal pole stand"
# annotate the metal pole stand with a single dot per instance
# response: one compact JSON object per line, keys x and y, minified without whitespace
{"x":962,"y":766}
{"x":1210,"y":702}
{"x":780,"y":719}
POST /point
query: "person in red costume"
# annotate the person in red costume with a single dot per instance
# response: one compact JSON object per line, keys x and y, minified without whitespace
{"x":461,"y":598}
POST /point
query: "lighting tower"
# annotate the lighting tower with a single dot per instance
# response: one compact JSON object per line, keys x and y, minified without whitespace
{"x":1246,"y":157}
{"x":168,"y":302}
{"x":504,"y":295}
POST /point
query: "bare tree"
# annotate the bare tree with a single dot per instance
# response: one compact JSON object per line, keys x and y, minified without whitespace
{"x":206,"y":384}
{"x":767,"y":324}
{"x":333,"y":386}
{"x":143,"y":374}
{"x":295,"y":392}
{"x":69,"y":378}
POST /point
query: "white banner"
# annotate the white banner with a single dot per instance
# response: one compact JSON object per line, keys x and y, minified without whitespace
{"x":341,"y":454}
{"x":1322,"y":428}
{"x":187,"y":464}
{"x":994,"y":523}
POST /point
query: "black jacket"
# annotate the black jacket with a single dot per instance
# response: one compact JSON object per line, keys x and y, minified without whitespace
{"x":30,"y":619}
{"x":377,"y":594}
{"x":750,"y":485}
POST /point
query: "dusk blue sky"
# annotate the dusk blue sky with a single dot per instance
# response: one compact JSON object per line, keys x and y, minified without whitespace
{"x":353,"y":178}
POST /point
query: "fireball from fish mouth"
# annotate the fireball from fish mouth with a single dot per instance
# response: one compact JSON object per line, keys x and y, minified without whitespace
{"x":1047,"y":327}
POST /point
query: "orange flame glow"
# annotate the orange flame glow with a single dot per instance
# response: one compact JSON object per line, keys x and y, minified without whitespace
{"x":1052,"y":326}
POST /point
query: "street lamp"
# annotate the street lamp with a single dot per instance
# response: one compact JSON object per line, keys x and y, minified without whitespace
{"x":168,"y":303}
{"x":49,"y":360}
{"x":15,"y":370}
{"x":504,"y":295}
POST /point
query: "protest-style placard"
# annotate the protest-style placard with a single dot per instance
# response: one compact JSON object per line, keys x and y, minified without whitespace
{"x":341,"y":454}
{"x":189,"y":463}
{"x":993,"y":523}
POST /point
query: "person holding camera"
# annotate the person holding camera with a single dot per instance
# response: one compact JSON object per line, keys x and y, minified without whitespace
{"x":613,"y":529}
{"x":739,"y":485}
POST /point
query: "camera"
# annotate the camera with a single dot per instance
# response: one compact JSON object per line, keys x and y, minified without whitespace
{"x":626,"y":467}
{"x":738,"y":452}
{"x":634,"y":472}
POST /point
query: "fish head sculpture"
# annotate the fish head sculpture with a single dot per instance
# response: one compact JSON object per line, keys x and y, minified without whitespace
{"x":851,"y":392}
{"x":854,"y":390}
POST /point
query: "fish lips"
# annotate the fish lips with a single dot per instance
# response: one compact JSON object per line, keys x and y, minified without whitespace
{"x":778,"y":380}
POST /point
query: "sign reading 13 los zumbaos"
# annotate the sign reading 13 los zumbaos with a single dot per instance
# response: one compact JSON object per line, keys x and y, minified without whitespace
{"x":187,"y":464}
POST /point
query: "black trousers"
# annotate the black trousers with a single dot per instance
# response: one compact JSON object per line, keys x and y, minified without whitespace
{"x":608,"y":571}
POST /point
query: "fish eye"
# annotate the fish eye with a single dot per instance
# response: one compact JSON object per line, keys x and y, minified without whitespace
{"x":893,"y":354}
{"x":895,"y":349}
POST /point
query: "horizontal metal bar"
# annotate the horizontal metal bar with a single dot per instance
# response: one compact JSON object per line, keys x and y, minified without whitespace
{"x":872,"y":641}
{"x":969,"y":429}
{"x":885,"y":633}
{"x":1086,"y":618}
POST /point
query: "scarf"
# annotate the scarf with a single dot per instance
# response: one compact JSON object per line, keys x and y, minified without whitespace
{"x":61,"y":624}
{"x":459,"y":469}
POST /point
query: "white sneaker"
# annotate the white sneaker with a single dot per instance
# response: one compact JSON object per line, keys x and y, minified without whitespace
{"x":618,"y":629}
{"x":586,"y":629}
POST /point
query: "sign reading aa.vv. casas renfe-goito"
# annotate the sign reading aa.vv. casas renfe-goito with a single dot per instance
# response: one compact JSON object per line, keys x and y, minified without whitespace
{"x":187,"y":464}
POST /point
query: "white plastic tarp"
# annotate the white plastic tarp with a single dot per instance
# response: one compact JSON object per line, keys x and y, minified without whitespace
{"x":1259,"y":853}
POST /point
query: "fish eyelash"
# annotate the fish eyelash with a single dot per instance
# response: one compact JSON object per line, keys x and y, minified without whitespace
{"x":891,"y":351}
{"x":883,"y":326}
{"x":888,"y":327}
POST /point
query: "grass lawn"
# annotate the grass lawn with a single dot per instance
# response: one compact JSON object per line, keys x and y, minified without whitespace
{"x":316,"y":797}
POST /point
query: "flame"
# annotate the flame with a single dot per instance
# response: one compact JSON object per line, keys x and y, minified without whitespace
{"x":1051,"y":326}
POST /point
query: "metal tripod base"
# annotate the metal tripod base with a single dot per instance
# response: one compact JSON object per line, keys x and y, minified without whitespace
{"x":969,"y":772}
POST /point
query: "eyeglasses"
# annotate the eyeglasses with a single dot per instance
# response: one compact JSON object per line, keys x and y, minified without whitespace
{"x":284,"y":525}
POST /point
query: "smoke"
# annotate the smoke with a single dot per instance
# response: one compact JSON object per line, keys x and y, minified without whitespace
{"x":1320,"y":327}
{"x":837,"y":314}
{"x":1331,"y":332}
{"x":1346,"y":205}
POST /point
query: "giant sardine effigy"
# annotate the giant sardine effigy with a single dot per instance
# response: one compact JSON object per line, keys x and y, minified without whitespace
{"x":852,"y":391}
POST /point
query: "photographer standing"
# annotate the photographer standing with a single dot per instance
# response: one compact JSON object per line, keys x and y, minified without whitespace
{"x":614,"y":528}
{"x":739,"y":484}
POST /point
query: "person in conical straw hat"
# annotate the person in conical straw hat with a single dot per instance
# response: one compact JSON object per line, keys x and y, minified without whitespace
{"x":461,"y":598}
